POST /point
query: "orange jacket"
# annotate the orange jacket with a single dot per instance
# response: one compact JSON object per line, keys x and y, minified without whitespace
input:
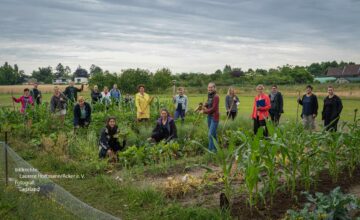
{"x":262,"y":112}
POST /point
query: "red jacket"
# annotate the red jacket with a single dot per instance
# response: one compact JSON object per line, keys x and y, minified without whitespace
{"x":262,"y":112}
{"x":23,"y":102}
{"x":214,"y":109}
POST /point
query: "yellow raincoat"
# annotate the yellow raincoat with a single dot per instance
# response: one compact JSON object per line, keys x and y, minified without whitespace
{"x":142,"y":103}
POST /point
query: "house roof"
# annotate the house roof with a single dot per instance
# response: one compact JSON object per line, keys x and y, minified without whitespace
{"x":349,"y":70}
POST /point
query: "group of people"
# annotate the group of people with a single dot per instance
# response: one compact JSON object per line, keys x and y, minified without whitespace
{"x":265,"y":105}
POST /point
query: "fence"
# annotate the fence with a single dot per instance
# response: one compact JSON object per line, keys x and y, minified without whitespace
{"x":21,"y":173}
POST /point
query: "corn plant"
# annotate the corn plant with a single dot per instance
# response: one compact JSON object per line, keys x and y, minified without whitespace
{"x":351,"y":141}
{"x":225,"y":158}
{"x":251,"y":165}
{"x":333,"y":150}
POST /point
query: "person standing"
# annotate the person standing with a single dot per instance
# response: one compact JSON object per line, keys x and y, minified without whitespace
{"x":142,"y":102}
{"x":26,"y":101}
{"x":331,"y":110}
{"x":310,"y":106}
{"x":115,"y":94}
{"x":82,"y":113}
{"x":231,"y":103}
{"x":95,"y":95}
{"x":165,"y":128}
{"x":277,"y":105}
{"x":261,"y":110}
{"x":106,"y":97}
{"x":58,"y":104}
{"x":181,"y":104}
{"x":211,"y":108}
{"x":36,"y":94}
{"x":71,"y":91}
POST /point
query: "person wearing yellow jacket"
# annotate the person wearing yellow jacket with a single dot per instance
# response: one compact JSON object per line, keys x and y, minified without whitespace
{"x":142,"y":102}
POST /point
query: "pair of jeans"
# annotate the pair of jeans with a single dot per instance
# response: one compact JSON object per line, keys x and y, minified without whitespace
{"x":212,"y":125}
{"x":179,"y":114}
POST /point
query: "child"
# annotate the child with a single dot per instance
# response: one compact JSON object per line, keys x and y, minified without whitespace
{"x":181,"y":104}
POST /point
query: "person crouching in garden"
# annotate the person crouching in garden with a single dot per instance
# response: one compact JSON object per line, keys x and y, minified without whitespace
{"x":181,"y":104}
{"x":26,"y":102}
{"x":231,"y":103}
{"x":211,"y":108}
{"x":142,"y":102}
{"x":165,"y":128}
{"x":260,"y":110}
{"x":331,"y":110}
{"x":109,"y":144}
{"x":277,"y":104}
{"x":82,"y":113}
{"x":310,"y":108}
{"x":58,"y":104}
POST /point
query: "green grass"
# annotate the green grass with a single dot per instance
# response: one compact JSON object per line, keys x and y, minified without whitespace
{"x":17,"y":205}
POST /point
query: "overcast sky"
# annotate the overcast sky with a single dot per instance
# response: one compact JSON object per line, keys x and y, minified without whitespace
{"x":183,"y":35}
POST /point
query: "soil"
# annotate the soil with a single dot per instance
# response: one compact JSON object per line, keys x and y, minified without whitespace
{"x":208,"y":196}
{"x":284,"y":200}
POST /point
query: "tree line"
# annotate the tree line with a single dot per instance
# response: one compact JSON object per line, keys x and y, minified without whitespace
{"x":162,"y":78}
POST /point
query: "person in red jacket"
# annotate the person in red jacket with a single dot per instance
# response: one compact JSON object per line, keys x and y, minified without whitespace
{"x":211,"y":108}
{"x":26,"y":103}
{"x":261,"y":110}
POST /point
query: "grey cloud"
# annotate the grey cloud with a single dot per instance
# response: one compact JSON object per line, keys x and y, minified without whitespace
{"x":176,"y":31}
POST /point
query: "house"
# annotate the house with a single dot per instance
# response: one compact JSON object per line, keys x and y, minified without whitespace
{"x":81,"y":80}
{"x":60,"y":81}
{"x":346,"y":71}
{"x":349,"y":73}
{"x":81,"y":76}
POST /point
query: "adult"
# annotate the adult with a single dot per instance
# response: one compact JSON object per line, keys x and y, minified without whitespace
{"x":231,"y":103}
{"x":26,"y":101}
{"x":95,"y":95}
{"x":142,"y":103}
{"x":260,"y":110}
{"x":211,"y":108}
{"x":106,"y":97}
{"x":310,"y":106}
{"x":181,"y":104}
{"x":82,"y":113}
{"x":165,"y":128}
{"x":277,"y":104}
{"x":331,"y":110}
{"x":58,"y":104}
{"x":109,"y":143}
{"x":71,"y":91}
{"x":115,"y":94}
{"x":36,"y":94}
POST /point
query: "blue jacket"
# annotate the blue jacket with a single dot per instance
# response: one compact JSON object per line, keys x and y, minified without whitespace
{"x":116,"y":94}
